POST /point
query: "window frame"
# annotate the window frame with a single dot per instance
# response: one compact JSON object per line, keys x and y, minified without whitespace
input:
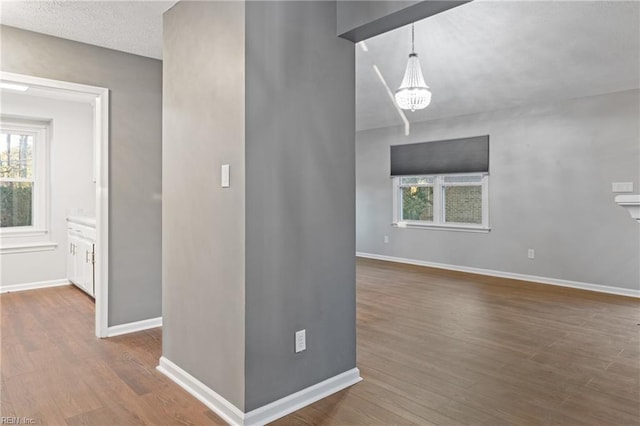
{"x":439,"y":216}
{"x":37,"y":236}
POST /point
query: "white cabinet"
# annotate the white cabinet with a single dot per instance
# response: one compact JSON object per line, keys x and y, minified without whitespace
{"x":71,"y":257}
{"x":81,"y":254}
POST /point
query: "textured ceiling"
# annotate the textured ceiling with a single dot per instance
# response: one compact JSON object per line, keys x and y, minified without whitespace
{"x":484,"y":55}
{"x":488,"y":55}
{"x":129,"y":26}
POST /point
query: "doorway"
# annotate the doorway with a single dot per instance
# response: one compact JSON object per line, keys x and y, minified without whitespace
{"x":99,"y":99}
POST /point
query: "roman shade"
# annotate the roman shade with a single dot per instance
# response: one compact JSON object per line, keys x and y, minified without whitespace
{"x":465,"y":155}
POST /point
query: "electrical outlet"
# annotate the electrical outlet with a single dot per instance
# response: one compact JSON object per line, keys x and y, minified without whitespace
{"x":622,"y":187}
{"x":386,"y":239}
{"x":301,"y":340}
{"x":531,"y":254}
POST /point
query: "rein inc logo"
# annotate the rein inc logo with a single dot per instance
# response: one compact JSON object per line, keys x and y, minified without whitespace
{"x":17,"y":421}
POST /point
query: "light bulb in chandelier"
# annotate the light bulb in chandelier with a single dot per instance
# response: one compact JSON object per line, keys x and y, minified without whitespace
{"x":413,"y":93}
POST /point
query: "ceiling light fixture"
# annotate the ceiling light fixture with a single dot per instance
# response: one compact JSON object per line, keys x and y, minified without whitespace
{"x":413,"y":93}
{"x":13,"y":86}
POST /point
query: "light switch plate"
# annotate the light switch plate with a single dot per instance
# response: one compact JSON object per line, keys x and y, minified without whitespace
{"x":224,"y":176}
{"x":301,"y":340}
{"x":622,"y":187}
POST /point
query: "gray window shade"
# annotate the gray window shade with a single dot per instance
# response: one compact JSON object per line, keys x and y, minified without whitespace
{"x":466,"y":155}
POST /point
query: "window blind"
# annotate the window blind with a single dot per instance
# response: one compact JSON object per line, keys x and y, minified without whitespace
{"x":464,"y":155}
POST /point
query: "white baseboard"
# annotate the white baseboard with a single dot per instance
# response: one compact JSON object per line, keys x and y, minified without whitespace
{"x":132,"y":327}
{"x":300,"y":399}
{"x":218,"y":404}
{"x":33,"y":286}
{"x":260,"y":416}
{"x":501,"y":274}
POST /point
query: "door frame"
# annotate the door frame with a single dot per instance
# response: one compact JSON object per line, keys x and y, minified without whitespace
{"x":101,"y":162}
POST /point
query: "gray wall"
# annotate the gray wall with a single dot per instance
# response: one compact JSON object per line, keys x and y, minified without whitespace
{"x":203,"y":224}
{"x":135,"y":85}
{"x":551,"y":169}
{"x":300,"y":155}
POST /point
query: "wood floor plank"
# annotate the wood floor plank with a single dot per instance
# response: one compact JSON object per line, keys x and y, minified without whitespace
{"x":434,"y":348}
{"x":172,"y":404}
{"x":99,"y":416}
{"x":31,"y":399}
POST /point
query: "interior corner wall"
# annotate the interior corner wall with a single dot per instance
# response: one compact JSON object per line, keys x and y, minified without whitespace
{"x":551,"y":169}
{"x":203,"y":224}
{"x":300,"y":229}
{"x":135,"y":153}
{"x":71,"y":143}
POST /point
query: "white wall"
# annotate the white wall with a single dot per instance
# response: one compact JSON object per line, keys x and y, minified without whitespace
{"x":551,"y":169}
{"x":71,"y":174}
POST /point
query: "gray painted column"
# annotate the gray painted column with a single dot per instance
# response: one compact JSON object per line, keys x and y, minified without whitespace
{"x":300,"y":153}
{"x":203,"y":247}
{"x":268,"y":88}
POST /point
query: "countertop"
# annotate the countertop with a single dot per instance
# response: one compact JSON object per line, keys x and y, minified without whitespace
{"x":83,"y":220}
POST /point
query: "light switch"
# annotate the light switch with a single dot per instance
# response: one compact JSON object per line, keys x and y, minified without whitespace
{"x":301,"y":340}
{"x":224,"y":177}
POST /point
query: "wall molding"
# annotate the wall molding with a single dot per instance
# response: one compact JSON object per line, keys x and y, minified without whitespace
{"x":33,"y":286}
{"x":300,"y":399}
{"x":218,"y":404}
{"x":132,"y":327}
{"x":27,"y":247}
{"x":512,"y":275}
{"x":265,"y":414}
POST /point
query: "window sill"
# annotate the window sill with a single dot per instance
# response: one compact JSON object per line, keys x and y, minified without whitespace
{"x":458,"y":228}
{"x":22,"y":232}
{"x":27,"y":247}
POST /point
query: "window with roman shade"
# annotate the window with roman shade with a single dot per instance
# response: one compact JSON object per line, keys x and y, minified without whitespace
{"x":442,"y":184}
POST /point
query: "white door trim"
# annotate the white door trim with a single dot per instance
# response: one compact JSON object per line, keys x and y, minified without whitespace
{"x":102,"y":183}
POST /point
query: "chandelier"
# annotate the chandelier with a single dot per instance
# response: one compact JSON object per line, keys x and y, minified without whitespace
{"x":413,"y":93}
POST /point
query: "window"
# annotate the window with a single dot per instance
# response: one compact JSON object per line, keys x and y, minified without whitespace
{"x":23,"y":183}
{"x":442,"y":184}
{"x":444,"y":201}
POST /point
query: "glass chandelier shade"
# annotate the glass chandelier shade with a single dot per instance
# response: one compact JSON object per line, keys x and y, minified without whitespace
{"x":413,"y":93}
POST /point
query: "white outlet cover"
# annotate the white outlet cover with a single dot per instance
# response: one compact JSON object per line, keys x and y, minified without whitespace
{"x":622,"y":187}
{"x":301,"y":340}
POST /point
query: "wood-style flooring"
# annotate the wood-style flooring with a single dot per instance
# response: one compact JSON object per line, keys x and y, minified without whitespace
{"x":434,"y":347}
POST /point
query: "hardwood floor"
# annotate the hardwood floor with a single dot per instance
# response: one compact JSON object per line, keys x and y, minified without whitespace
{"x":434,"y":347}
{"x":442,"y":347}
{"x":55,"y":371}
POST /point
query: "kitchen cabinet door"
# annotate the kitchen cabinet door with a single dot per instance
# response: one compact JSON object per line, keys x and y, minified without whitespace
{"x":86,"y":260}
{"x":73,"y":272}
